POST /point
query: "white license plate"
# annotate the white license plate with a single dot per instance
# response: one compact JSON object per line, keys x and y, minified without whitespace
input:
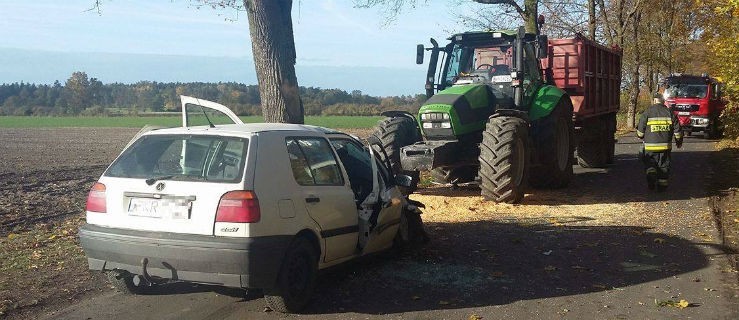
{"x":159,"y":208}
{"x":683,"y":113}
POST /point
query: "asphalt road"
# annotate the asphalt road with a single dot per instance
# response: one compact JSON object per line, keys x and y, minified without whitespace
{"x":662,"y":246}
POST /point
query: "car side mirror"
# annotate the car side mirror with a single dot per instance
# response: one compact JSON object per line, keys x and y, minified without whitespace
{"x":419,"y":54}
{"x":542,"y":46}
{"x":403,"y":180}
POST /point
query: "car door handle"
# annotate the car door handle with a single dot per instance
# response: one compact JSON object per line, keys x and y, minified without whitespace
{"x":312,"y":199}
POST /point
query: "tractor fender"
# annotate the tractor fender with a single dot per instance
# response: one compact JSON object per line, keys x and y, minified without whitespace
{"x":510,"y":113}
{"x":397,"y":113}
{"x":545,"y":100}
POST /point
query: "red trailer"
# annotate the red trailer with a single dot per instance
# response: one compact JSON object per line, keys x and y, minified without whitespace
{"x":591,"y":74}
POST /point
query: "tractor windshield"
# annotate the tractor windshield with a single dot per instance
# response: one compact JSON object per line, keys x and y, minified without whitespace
{"x":489,"y":64}
{"x":680,"y":90}
{"x":486,"y":64}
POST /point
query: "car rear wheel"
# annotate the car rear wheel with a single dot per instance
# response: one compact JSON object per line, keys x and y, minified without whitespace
{"x":296,"y":280}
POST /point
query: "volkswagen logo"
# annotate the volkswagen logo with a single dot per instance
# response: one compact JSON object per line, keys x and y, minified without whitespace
{"x":160,"y":186}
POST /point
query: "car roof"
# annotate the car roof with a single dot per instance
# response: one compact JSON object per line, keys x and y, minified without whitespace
{"x":247,"y":129}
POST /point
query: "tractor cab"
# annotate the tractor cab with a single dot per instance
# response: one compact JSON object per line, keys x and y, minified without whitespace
{"x":502,"y":60}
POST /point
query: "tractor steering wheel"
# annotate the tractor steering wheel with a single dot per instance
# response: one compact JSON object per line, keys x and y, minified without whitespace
{"x":485,"y":65}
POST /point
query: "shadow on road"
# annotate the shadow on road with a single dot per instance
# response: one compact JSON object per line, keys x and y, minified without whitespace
{"x":624,"y":181}
{"x":490,"y":263}
{"x":187,"y":288}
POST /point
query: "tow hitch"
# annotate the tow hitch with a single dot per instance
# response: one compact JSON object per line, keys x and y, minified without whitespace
{"x":143,"y":279}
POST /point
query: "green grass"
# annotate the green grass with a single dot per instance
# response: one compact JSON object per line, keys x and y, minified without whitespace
{"x":137,"y":122}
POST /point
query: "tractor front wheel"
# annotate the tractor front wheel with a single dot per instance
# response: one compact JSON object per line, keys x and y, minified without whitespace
{"x":395,"y":133}
{"x":504,"y":159}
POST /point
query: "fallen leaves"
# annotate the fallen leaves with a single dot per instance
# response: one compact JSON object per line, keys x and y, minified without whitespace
{"x":682,"y":304}
{"x":474,"y":317}
{"x":647,"y":254}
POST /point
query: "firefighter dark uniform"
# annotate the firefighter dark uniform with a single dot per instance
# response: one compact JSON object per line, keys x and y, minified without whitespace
{"x":656,"y":127}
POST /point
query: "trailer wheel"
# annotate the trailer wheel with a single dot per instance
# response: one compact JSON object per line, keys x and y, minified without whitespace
{"x":395,"y":133}
{"x":556,"y":155}
{"x":594,"y":147}
{"x":610,"y":138}
{"x":504,"y":159}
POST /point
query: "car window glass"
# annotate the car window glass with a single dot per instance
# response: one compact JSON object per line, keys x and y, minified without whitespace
{"x":299,"y":164}
{"x":199,"y":116}
{"x":227,"y":160}
{"x":358,"y":166}
{"x":318,"y":158}
{"x":186,"y":158}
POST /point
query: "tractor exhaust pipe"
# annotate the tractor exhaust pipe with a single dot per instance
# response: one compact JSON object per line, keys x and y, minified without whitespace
{"x":520,"y":70}
{"x":433,"y":60}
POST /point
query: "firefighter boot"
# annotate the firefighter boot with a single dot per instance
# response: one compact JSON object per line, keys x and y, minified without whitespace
{"x":661,"y":185}
{"x":651,"y":178}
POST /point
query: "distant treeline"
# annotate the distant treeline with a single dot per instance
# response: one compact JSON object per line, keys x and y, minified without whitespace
{"x":81,"y":95}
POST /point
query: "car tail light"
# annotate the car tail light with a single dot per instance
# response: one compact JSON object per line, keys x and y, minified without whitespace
{"x":96,"y":198}
{"x":239,"y":207}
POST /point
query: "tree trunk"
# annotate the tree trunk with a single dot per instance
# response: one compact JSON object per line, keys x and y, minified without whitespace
{"x":531,"y":15}
{"x":635,"y":77}
{"x":273,"y":47}
{"x":591,"y":19}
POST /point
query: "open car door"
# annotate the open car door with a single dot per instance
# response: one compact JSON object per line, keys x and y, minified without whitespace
{"x":381,"y":210}
{"x":197,"y":112}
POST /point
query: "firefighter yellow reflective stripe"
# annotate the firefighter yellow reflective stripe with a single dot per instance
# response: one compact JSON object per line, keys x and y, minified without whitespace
{"x":678,"y":135}
{"x":651,"y":170}
{"x":639,"y":134}
{"x":659,"y":120}
{"x":656,"y":146}
{"x":662,"y":182}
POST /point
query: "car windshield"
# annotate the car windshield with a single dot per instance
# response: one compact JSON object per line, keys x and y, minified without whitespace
{"x":686,"y":91}
{"x":182,"y":157}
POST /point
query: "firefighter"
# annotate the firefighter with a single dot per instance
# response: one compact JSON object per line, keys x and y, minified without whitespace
{"x":657,"y":125}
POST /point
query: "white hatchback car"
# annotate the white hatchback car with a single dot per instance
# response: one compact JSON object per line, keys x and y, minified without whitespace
{"x":242,"y":205}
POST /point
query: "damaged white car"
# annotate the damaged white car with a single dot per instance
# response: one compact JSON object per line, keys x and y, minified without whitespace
{"x":243,"y":205}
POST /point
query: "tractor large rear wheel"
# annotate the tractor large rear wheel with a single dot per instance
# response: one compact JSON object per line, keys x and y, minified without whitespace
{"x":504,"y":159}
{"x":556,"y":148}
{"x":395,"y":133}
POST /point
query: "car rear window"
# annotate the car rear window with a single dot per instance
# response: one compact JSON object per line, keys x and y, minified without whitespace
{"x":183,"y":157}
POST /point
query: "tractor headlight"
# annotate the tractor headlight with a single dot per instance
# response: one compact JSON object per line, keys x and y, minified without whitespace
{"x":436,"y":120}
{"x":434,"y":116}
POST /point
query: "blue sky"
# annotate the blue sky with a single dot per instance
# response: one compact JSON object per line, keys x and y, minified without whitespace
{"x":327,"y":32}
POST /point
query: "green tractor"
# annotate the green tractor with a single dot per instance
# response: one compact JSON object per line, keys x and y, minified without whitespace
{"x":491,"y":119}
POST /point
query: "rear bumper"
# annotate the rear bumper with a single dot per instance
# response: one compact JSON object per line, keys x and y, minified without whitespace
{"x":232,"y":262}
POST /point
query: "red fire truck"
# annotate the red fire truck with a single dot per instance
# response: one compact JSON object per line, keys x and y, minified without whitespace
{"x":696,"y":100}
